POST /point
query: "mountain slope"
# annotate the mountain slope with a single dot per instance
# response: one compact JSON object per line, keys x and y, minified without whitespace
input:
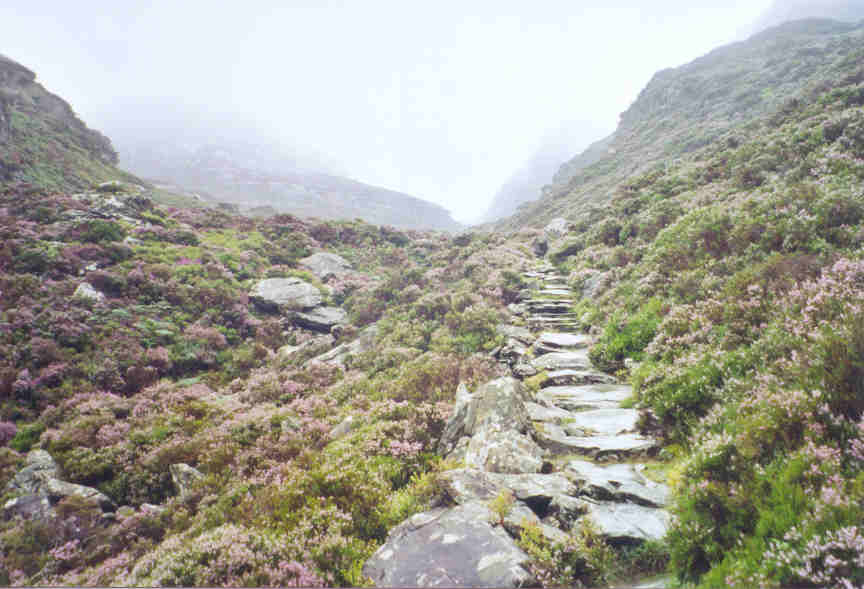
{"x":683,"y":109}
{"x":42,"y":142}
{"x":251,"y":177}
{"x":787,"y":10}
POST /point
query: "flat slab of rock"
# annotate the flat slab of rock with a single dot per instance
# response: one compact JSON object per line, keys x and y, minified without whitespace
{"x":556,"y":342}
{"x":278,"y":294}
{"x":578,"y":398}
{"x":554,"y":415}
{"x":86,"y":291}
{"x":628,"y":523}
{"x":503,"y":451}
{"x":324,"y":265}
{"x":607,"y":422}
{"x":455,"y":547}
{"x":616,"y":482}
{"x":576,"y":378}
{"x":321,"y":319}
{"x":520,"y":334}
{"x":555,"y":439}
{"x":338,"y":356}
{"x":575,"y":360}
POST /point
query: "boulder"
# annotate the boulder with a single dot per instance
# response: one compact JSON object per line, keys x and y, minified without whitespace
{"x":30,"y":506}
{"x":39,"y":467}
{"x":499,"y":403}
{"x":505,"y":451}
{"x":523,"y":370}
{"x":344,"y":428}
{"x":521,"y":334}
{"x":512,"y":352}
{"x":540,"y":245}
{"x":556,"y":228}
{"x":281,"y":294}
{"x":324,"y":265}
{"x":321,"y":319}
{"x":456,"y":547}
{"x":339,"y":355}
{"x":552,"y":414}
{"x":57,"y":490}
{"x":86,"y":291}
{"x":184,"y":476}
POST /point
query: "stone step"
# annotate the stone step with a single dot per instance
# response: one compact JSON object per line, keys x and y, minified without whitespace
{"x":617,"y":447}
{"x":573,"y":360}
{"x":576,"y":378}
{"x":616,"y":482}
{"x":624,"y":522}
{"x":579,"y":398}
{"x":550,"y":341}
{"x":602,"y":422}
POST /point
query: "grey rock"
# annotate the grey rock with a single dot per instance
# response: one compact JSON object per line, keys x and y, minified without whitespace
{"x":593,"y":284}
{"x":608,"y":422}
{"x":628,"y":523}
{"x":57,"y":490}
{"x":345,"y":427}
{"x":39,"y":467}
{"x":498,"y":404}
{"x":616,"y":482}
{"x":321,"y":319}
{"x":512,"y":352}
{"x":520,"y":334}
{"x":324,"y":265}
{"x":516,"y":309}
{"x":184,"y":477}
{"x":339,"y":355}
{"x":556,"y":342}
{"x":125,"y":511}
{"x":505,"y":451}
{"x":464,"y":485}
{"x":287,"y":351}
{"x":540,"y":245}
{"x":523,"y":370}
{"x":555,"y":439}
{"x":151,"y":509}
{"x":536,"y":490}
{"x":86,"y":291}
{"x":576,"y":377}
{"x":556,"y":228}
{"x":280,"y":294}
{"x":553,"y":414}
{"x":30,"y":506}
{"x":575,"y":360}
{"x":456,"y":547}
{"x":577,"y":398}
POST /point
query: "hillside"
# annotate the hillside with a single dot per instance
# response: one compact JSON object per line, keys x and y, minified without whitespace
{"x":251,"y":178}
{"x":664,"y":379}
{"x":705,"y":101}
{"x":42,"y":142}
{"x":719,"y":252}
{"x":786,"y":10}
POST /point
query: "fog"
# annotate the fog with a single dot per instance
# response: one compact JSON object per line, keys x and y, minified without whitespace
{"x":443,"y":100}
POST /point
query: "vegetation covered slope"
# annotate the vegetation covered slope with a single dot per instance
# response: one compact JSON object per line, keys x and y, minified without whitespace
{"x":684,"y":109}
{"x":175,"y":365}
{"x":733,"y":276}
{"x":42,"y":142}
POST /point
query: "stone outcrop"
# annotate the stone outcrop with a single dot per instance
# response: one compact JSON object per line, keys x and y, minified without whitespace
{"x":184,"y":477}
{"x":285,"y":294}
{"x":324,"y":265}
{"x":40,"y":489}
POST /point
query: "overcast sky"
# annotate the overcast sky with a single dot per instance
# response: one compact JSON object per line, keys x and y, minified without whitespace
{"x":442,"y":99}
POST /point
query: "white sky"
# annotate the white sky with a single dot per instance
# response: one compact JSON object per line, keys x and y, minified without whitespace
{"x":441,"y":99}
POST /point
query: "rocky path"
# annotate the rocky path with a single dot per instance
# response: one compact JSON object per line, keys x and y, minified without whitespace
{"x":568,"y":452}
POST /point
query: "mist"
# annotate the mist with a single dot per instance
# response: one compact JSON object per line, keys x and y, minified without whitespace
{"x":442,"y":100}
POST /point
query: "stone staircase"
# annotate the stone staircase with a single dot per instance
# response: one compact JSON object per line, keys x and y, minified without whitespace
{"x":566,"y":452}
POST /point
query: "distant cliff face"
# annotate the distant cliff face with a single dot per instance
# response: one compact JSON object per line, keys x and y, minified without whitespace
{"x":236,"y":176}
{"x":42,"y":141}
{"x":684,"y":109}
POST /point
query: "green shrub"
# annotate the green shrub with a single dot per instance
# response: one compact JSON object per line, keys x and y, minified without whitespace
{"x":626,"y":337}
{"x":27,"y":437}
